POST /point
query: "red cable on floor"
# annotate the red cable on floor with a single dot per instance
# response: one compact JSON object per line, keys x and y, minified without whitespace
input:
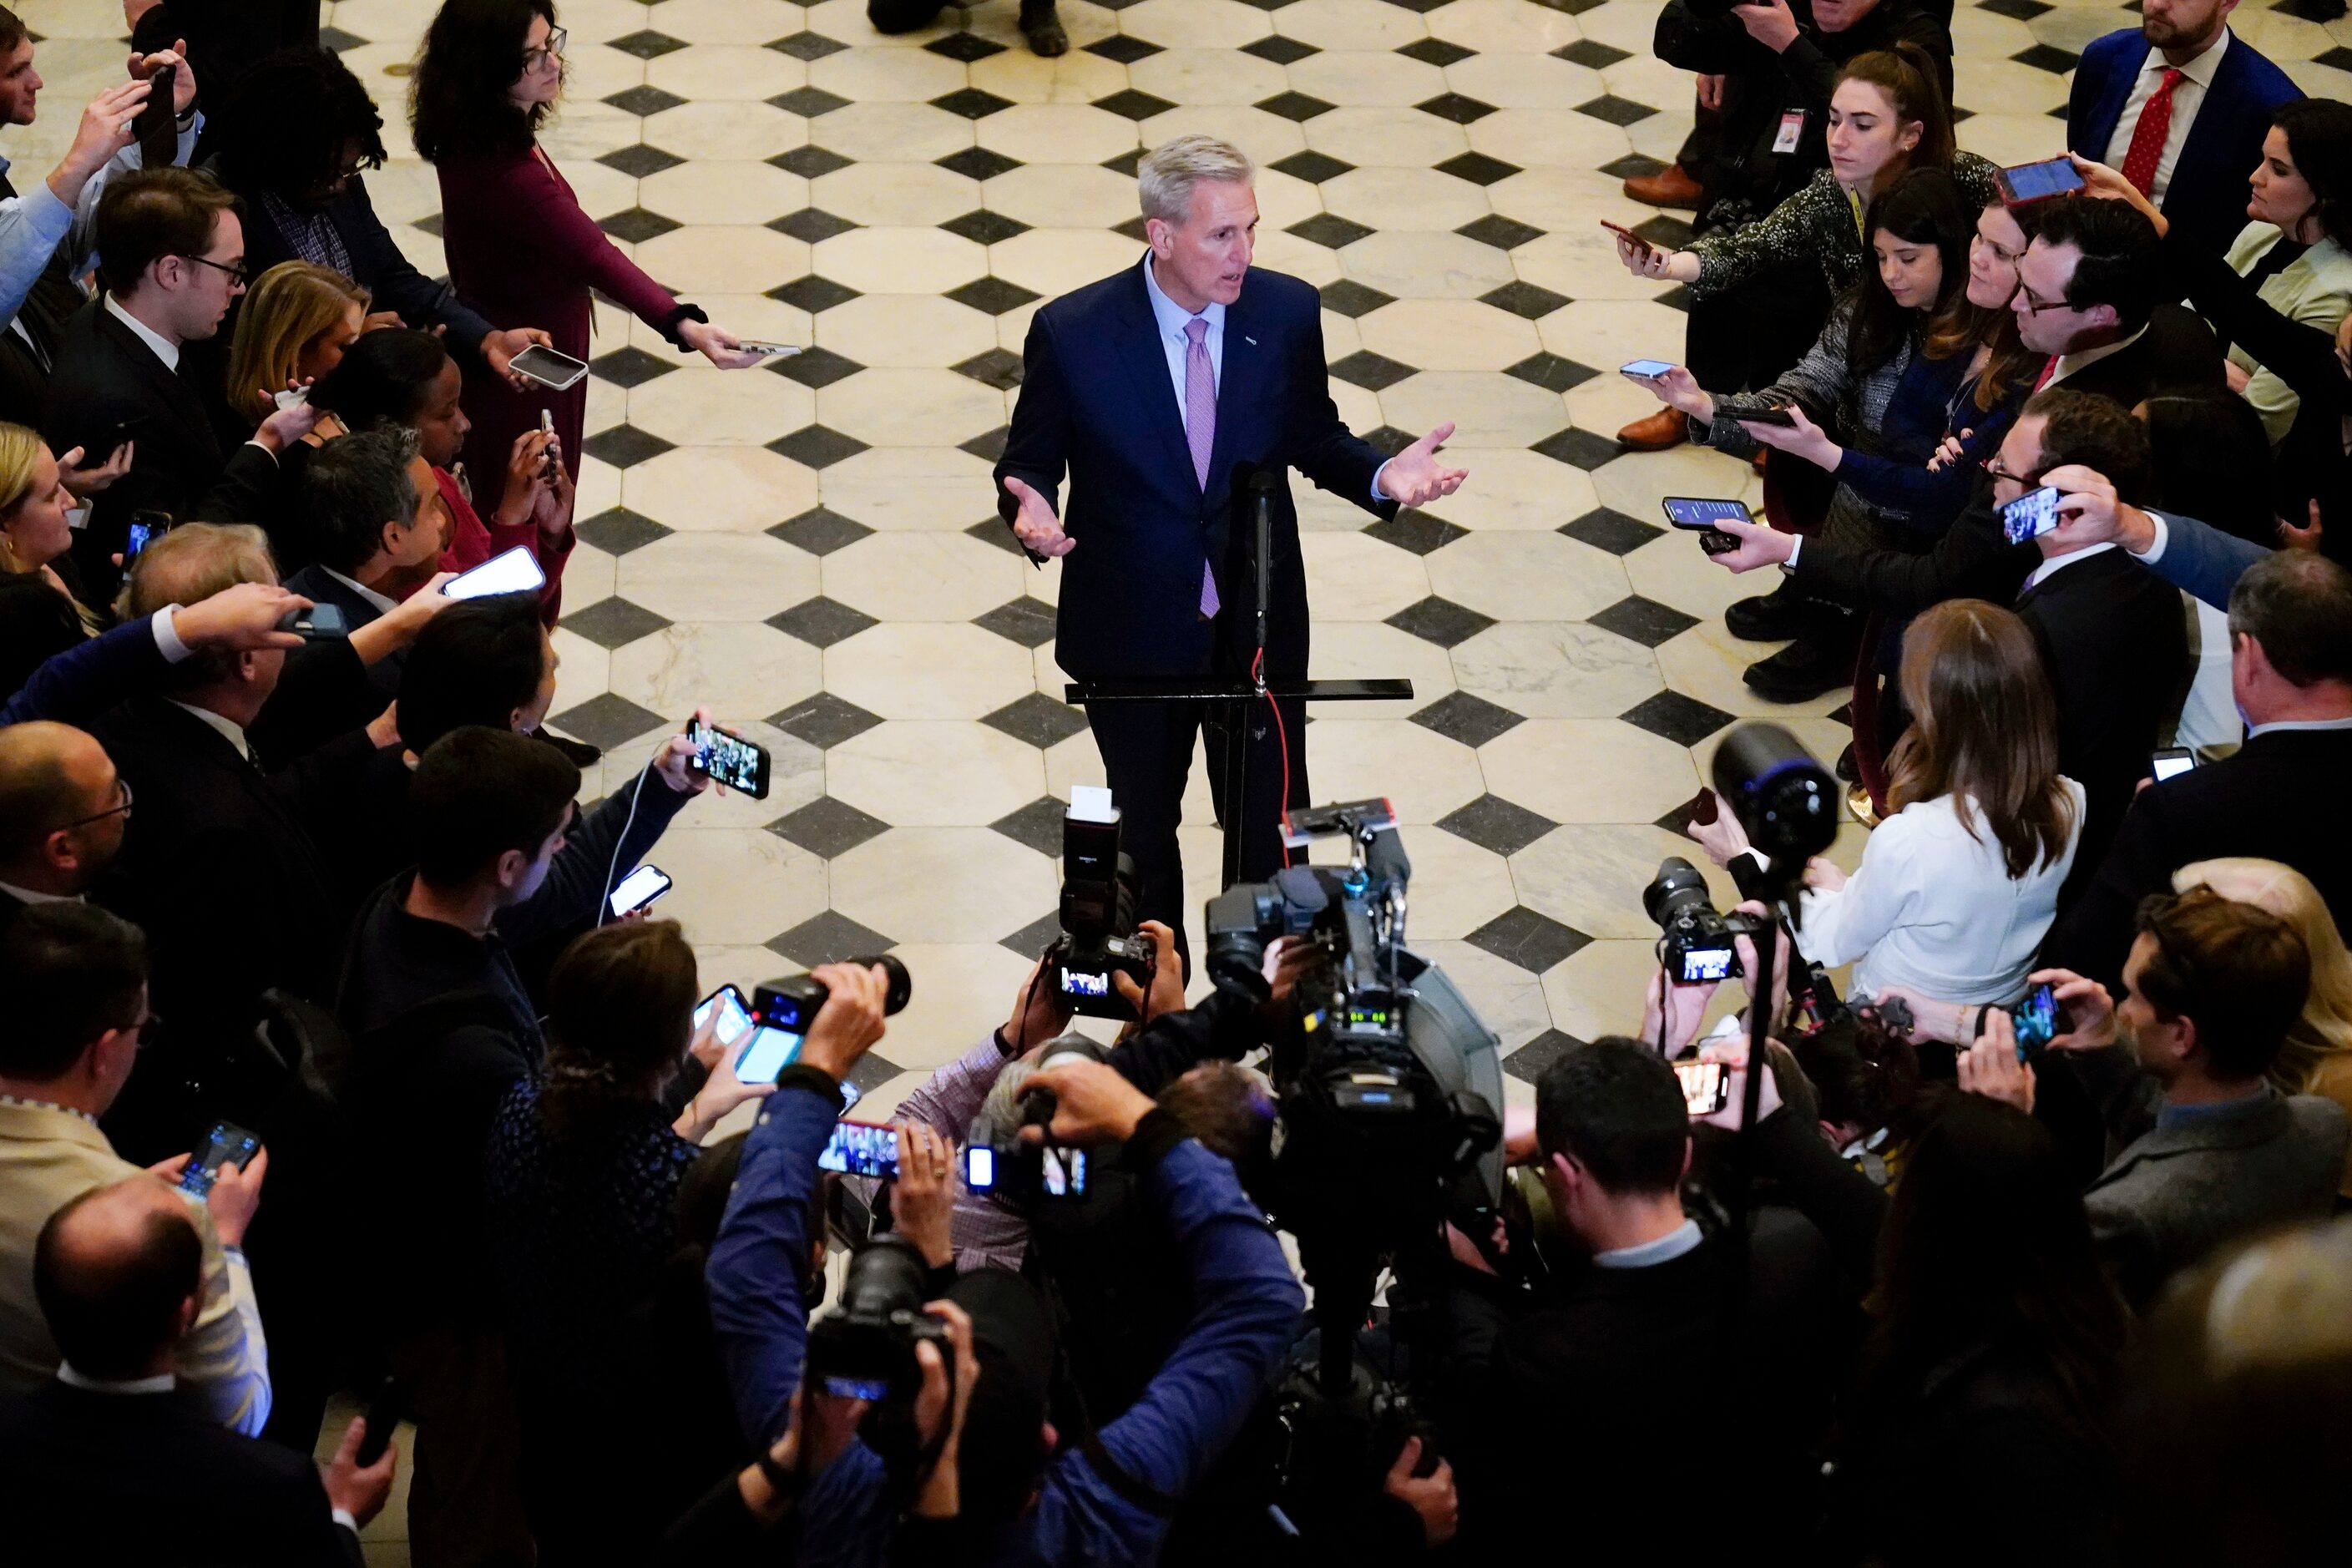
{"x":1282,"y":737}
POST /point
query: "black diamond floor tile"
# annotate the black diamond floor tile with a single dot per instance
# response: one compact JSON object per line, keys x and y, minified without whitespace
{"x":338,"y":40}
{"x":647,"y":45}
{"x":1328,"y":229}
{"x":1523,"y":299}
{"x":1616,"y":111}
{"x":633,"y":226}
{"x":1037,"y":824}
{"x":829,"y":938}
{"x":1641,"y":620}
{"x":813,"y":294}
{"x":1473,"y":721}
{"x":1280,"y":50}
{"x":613,"y":622}
{"x":1528,"y":1063}
{"x":1123,"y":163}
{"x":815,"y":446}
{"x":1459,"y":107}
{"x":2019,"y":10}
{"x":2043,"y":57}
{"x":630,"y":366}
{"x":972,"y":102}
{"x":1352,"y":298}
{"x":607,"y":722}
{"x":1632,"y":166}
{"x":2317,"y":12}
{"x":1134,"y":104}
{"x":430,"y":223}
{"x":1297,"y":106}
{"x":810,"y":162}
{"x":809,"y":102}
{"x":1665,"y":231}
{"x":999,"y":368}
{"x":643,"y":100}
{"x":1415,"y":530}
{"x":820,"y":531}
{"x":1493,"y":822}
{"x":811,"y":225}
{"x":1025,"y":620}
{"x":993,"y":296}
{"x":2337,"y":59}
{"x":1121,"y":50}
{"x":1373,"y":372}
{"x":1424,"y":6}
{"x":1134,"y":228}
{"x":624,"y":446}
{"x":824,"y":721}
{"x":816,"y":367}
{"x":1034,"y":938}
{"x":821,"y":622}
{"x":639,"y":161}
{"x":1311,"y":166}
{"x":619,"y":531}
{"x":1605,"y":528}
{"x":1440,"y":621}
{"x":1578,"y":449}
{"x":984,"y":227}
{"x":1387,"y":439}
{"x":1436,"y":52}
{"x":1528,"y":938}
{"x":1551,"y":373}
{"x":828,"y":827}
{"x":992,"y":532}
{"x":978,"y":164}
{"x":1502,"y":233}
{"x":1684,"y":720}
{"x":1477,"y":168}
{"x":1038,"y":719}
{"x":988,"y":446}
{"x":964,"y":47}
{"x":1592,"y":54}
{"x":807,"y":46}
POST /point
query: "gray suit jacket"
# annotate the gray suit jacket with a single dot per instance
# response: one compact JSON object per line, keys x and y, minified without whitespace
{"x":2173,"y":1195}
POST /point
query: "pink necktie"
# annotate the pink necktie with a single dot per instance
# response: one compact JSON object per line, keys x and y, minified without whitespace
{"x":1200,"y":428}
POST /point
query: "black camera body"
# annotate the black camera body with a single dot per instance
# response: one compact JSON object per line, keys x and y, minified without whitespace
{"x":791,"y":1005}
{"x":865,"y":1348}
{"x":998,"y":1160}
{"x":1098,"y":904}
{"x":1698,"y":944}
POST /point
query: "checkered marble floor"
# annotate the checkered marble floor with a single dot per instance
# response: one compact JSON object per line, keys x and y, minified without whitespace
{"x":811,"y":548}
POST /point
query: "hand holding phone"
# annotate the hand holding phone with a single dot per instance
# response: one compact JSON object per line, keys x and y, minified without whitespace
{"x":861,"y":1149}
{"x":639,"y":888}
{"x":225,"y":1144}
{"x":320,"y":623}
{"x":157,"y":126}
{"x":729,"y":759}
{"x":2172,"y":762}
{"x":2034,"y":1021}
{"x":1706,"y":1086}
{"x":1642,"y":249}
{"x":516,"y":570}
{"x":773,"y":350}
{"x":2030,"y":515}
{"x":556,"y":372}
{"x":1645,"y":369}
{"x":2038,"y":182}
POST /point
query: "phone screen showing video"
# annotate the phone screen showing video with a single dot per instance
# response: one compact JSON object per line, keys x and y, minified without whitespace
{"x":1706,"y":1086}
{"x":2033,"y":182}
{"x":861,"y":1149}
{"x":2036,"y":1021}
{"x":729,"y":759}
{"x":2030,"y":515}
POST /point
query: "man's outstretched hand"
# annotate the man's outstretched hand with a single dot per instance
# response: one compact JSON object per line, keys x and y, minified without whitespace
{"x":1034,"y":525}
{"x":1415,"y":478}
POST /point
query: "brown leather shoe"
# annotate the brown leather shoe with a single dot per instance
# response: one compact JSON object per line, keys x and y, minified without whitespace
{"x":1660,"y":431}
{"x":1669,"y":187}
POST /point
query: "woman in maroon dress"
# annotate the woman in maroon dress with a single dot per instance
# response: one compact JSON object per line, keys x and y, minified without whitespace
{"x":521,"y":250}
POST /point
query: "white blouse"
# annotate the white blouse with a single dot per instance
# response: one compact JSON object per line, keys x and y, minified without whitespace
{"x":1934,"y":911}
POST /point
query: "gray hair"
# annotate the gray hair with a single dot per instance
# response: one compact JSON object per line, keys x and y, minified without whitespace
{"x":355,"y":485}
{"x":2298,"y":605}
{"x":1169,"y":172}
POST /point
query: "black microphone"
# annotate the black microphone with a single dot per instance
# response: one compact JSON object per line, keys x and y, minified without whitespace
{"x":1263,"y":485}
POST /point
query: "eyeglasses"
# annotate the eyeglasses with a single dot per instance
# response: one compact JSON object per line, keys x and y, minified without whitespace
{"x":122,"y":807}
{"x":240,"y":273}
{"x":1992,"y":466}
{"x":553,"y":49}
{"x":2034,"y":306}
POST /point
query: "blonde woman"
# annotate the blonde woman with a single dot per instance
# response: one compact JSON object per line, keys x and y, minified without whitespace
{"x":297,"y":319}
{"x":35,"y":533}
{"x":2317,"y":1055}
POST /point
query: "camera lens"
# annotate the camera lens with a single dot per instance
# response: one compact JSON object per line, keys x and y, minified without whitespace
{"x":1674,"y":891}
{"x":902,"y":984}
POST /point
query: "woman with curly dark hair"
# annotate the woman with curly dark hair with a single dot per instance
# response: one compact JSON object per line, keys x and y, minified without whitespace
{"x":520,"y":248}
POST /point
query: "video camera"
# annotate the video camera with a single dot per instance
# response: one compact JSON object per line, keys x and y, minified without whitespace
{"x":791,"y":1005}
{"x":1098,"y":900}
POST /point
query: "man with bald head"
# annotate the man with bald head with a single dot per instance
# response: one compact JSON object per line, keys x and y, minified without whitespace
{"x":62,"y":809}
{"x":103,"y":1464}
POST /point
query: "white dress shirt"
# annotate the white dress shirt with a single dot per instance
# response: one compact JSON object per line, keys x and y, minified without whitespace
{"x":2042,"y":572}
{"x":2187,"y":97}
{"x":2069,"y":363}
{"x":2299,"y":724}
{"x":1934,"y":911}
{"x":384,"y":605}
{"x":166,"y":349}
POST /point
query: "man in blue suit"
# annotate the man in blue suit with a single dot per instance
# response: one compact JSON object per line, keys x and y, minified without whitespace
{"x":1160,"y":390}
{"x":2180,"y":107}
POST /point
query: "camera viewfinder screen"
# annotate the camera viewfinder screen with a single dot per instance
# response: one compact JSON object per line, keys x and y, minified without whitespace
{"x":979,"y":1168}
{"x":861,"y":1149}
{"x":871,"y":1389}
{"x":1078,"y":983}
{"x":1705,"y":963}
{"x":1065,"y":1171}
{"x":770,"y":1053}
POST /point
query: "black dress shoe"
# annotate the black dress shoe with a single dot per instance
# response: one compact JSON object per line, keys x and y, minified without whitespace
{"x":1043,"y":29}
{"x":1800,"y":671}
{"x":1775,"y":616}
{"x":581,"y":754}
{"x":1847,"y":769}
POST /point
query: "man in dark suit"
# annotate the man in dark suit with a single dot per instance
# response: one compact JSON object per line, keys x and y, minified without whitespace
{"x":2090,"y":294}
{"x":1161,"y":391}
{"x":2291,"y":669}
{"x":108,"y":1464}
{"x":63,"y":809}
{"x":2178,"y":106}
{"x":173,"y":254}
{"x":380,"y":526}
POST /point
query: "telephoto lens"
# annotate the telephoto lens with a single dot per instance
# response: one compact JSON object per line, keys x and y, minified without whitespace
{"x":1785,"y":800}
{"x":791,"y":1005}
{"x":865,"y":1348}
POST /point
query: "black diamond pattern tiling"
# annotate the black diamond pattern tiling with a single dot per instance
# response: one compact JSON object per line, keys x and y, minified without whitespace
{"x":1440,"y":621}
{"x":1473,"y":721}
{"x":1280,"y":50}
{"x":647,"y":45}
{"x":1528,"y":1063}
{"x":999,"y":368}
{"x":1134,"y":228}
{"x":993,"y":296}
{"x":810,"y":162}
{"x":820,"y":531}
{"x":2043,"y":57}
{"x":1459,"y":107}
{"x":1684,"y":720}
{"x":978,"y":164}
{"x":988,"y":446}
{"x":429,"y":224}
{"x":816,"y":446}
{"x":1033,"y":938}
{"x":1037,"y":824}
{"x":828,"y":938}
{"x":1311,"y":166}
{"x":984,"y":227}
{"x":619,"y":531}
{"x":972,"y":102}
{"x":1424,"y":6}
{"x":1502,"y":233}
{"x":1605,"y":528}
{"x":1477,"y":168}
{"x":1665,"y":231}
{"x":1025,"y":620}
{"x":1641,"y":620}
{"x":824,"y":721}
{"x":335,"y":38}
{"x":1493,"y":822}
{"x":1387,"y":439}
{"x":1299,"y":106}
{"x":827,"y":827}
{"x":1578,"y":449}
{"x":964,"y":47}
{"x":636,"y":224}
{"x":613,"y":622}
{"x":1123,"y":163}
{"x":1528,"y":938}
{"x":1121,"y":50}
{"x":1038,"y":719}
{"x":1415,"y":530}
{"x":816,"y":367}
{"x":2317,"y":12}
{"x":813,"y":294}
{"x":873,"y":1069}
{"x":1632,"y":166}
{"x":1592,"y":54}
{"x":808,"y":45}
{"x":639,"y":161}
{"x":1351,"y":298}
{"x":1373,"y":372}
{"x":1523,"y":298}
{"x":2018,"y":10}
{"x":624,"y":446}
{"x":992,"y":532}
{"x":808,"y":102}
{"x":1330,"y":229}
{"x":2337,"y":59}
{"x":1616,"y":111}
{"x":1134,"y":104}
{"x":1434,"y":52}
{"x":643,"y":100}
{"x":608,"y":721}
{"x":811,"y":224}
{"x":628,"y":367}
{"x":1551,"y":372}
{"x":821,"y":622}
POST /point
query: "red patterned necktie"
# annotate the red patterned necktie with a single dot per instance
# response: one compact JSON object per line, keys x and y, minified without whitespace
{"x":2047,"y":372}
{"x":2148,"y":137}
